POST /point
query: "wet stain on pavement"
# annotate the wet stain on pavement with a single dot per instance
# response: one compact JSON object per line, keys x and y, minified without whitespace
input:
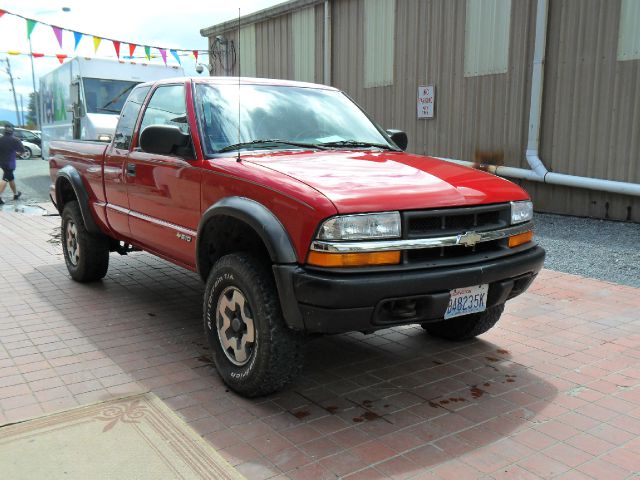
{"x":476,"y":392}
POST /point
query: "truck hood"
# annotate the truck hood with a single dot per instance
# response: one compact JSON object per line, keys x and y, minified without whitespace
{"x":369,"y":181}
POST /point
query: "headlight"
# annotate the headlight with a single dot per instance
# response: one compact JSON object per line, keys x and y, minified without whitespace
{"x":521,"y":212}
{"x":361,"y":227}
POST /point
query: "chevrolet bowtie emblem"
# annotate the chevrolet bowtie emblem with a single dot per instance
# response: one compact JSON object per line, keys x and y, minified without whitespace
{"x":468,"y":239}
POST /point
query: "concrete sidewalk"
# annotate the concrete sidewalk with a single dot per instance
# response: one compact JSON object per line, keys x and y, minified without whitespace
{"x":552,"y":392}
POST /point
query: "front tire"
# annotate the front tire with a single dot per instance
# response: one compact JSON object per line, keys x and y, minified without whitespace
{"x":254,"y":351}
{"x":86,"y":255}
{"x":26,"y":154}
{"x":467,"y":326}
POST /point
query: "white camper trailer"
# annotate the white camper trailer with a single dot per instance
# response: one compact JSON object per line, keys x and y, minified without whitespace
{"x":82,"y":98}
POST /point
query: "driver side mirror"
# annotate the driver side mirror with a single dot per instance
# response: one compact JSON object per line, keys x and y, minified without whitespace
{"x":164,"y":140}
{"x":399,"y":138}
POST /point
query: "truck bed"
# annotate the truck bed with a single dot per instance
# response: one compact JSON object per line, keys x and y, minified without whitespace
{"x":87,"y":158}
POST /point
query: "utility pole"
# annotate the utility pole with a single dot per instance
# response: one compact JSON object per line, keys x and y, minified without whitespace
{"x":22,"y":122}
{"x":15,"y":98}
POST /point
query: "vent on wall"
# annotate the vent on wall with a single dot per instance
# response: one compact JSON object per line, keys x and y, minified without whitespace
{"x":629,"y":32}
{"x":303,"y":27}
{"x":379,"y":42}
{"x":486,"y":37}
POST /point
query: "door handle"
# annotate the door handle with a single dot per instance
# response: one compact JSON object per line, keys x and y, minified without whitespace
{"x":131,"y":169}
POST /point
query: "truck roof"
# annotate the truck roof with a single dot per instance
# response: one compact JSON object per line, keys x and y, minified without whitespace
{"x":243,"y":81}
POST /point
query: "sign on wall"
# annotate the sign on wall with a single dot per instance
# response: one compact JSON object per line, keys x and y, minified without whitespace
{"x":426,"y":101}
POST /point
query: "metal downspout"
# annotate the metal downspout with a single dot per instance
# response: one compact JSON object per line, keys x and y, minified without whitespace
{"x":537,"y":82}
{"x":539,"y":172}
{"x":327,"y":42}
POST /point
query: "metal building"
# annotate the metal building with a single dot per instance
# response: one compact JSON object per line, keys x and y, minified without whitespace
{"x":554,"y":85}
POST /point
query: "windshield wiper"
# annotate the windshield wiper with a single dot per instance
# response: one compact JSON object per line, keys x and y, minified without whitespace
{"x":112,"y":110}
{"x":117,"y":97}
{"x":268,"y":143}
{"x":355,"y":143}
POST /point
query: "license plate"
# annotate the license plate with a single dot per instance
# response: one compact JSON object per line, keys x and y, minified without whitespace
{"x":467,"y":300}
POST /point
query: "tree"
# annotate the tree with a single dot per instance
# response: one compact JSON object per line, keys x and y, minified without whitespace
{"x":31,"y":111}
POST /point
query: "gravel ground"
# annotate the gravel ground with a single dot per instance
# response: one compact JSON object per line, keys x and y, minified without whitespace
{"x":600,"y":249}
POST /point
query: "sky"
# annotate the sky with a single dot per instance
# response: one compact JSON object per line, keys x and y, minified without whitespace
{"x":160,"y":23}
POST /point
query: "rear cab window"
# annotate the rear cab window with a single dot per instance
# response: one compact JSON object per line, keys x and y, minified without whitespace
{"x":127,"y":123}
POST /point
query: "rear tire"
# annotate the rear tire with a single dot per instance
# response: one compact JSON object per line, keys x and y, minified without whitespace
{"x":86,"y":255}
{"x":467,"y":326}
{"x":254,"y":351}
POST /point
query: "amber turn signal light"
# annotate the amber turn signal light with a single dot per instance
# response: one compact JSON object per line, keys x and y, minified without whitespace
{"x":521,"y":238}
{"x":325,"y":259}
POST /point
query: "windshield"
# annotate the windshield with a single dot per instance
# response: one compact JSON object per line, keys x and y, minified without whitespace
{"x":106,"y":96}
{"x":282,"y":117}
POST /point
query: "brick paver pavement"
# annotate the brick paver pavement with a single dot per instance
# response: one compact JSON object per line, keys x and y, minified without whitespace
{"x":552,"y":392}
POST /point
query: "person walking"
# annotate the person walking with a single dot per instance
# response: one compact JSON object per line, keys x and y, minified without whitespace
{"x":9,"y":146}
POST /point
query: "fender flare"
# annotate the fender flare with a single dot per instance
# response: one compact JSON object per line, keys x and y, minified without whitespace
{"x":260,"y":218}
{"x":70,"y":174}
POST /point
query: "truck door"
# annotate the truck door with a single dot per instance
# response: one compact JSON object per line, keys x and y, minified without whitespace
{"x":115,"y":164}
{"x":164,"y":190}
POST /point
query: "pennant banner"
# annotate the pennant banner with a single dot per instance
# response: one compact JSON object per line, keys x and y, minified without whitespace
{"x":58,"y":33}
{"x":176,"y":56}
{"x":77,"y":37}
{"x":37,"y":55}
{"x":31,"y":24}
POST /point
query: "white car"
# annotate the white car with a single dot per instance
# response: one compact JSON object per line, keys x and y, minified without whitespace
{"x":31,"y":150}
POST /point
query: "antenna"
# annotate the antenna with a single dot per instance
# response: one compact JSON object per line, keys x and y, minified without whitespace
{"x":239,"y":71}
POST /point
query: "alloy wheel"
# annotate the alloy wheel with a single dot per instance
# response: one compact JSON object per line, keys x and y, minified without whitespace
{"x":235,"y":326}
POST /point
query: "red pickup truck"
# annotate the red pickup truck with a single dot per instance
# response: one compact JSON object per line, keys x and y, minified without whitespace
{"x":300,"y":214}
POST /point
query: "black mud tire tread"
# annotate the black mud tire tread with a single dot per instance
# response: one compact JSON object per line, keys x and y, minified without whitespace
{"x":279,"y":352}
{"x":467,"y":326}
{"x":94,"y":249}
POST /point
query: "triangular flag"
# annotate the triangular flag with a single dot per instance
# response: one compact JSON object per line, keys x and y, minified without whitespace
{"x":58,"y":33}
{"x":31,"y":24}
{"x":14,"y":52}
{"x":132,"y":48}
{"x":77,"y":36}
{"x":2,"y":12}
{"x":116,"y":45}
{"x":195,"y":54}
{"x":147,"y":52}
{"x":163,"y":54}
{"x":37,"y":55}
{"x":176,"y":56}
{"x":96,"y":43}
{"x":61,"y":57}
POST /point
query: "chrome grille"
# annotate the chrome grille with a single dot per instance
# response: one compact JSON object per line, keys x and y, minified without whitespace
{"x":454,"y":221}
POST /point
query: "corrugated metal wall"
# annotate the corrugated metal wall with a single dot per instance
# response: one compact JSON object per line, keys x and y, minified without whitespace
{"x":591,"y":109}
{"x":591,"y":101}
{"x":471,"y":113}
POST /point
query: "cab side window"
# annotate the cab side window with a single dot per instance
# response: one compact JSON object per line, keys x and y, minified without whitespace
{"x":128,"y":117}
{"x":167,"y":107}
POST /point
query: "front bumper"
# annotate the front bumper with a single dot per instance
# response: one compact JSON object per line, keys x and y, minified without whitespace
{"x":319,"y":302}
